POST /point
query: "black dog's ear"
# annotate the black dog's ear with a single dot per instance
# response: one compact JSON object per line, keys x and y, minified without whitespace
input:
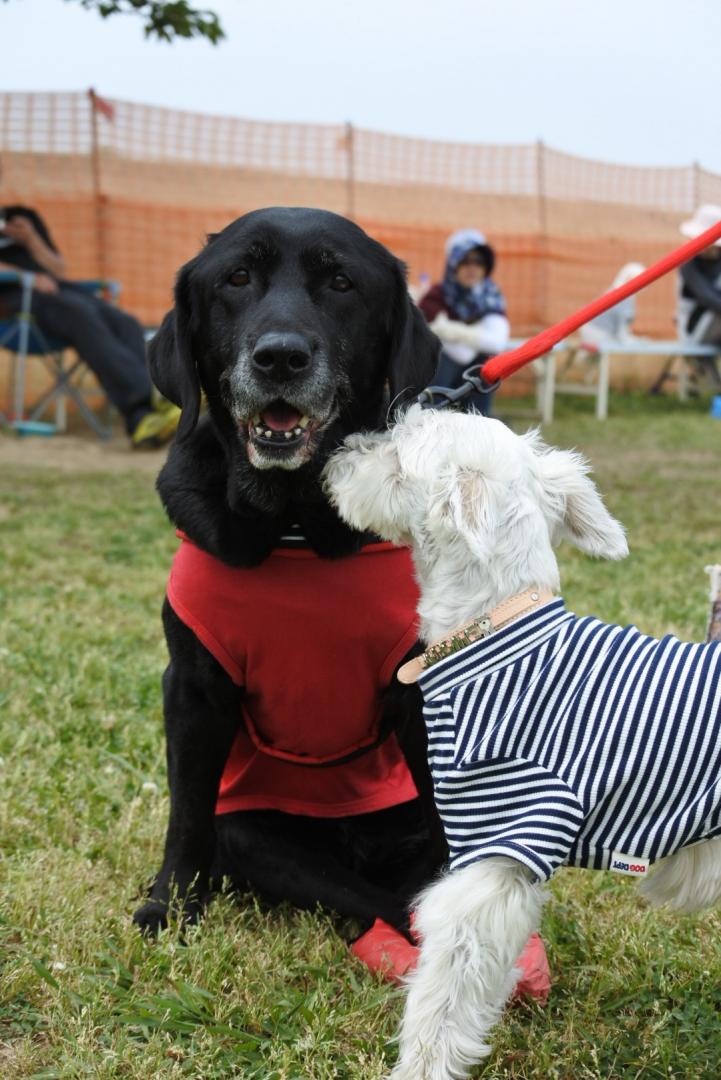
{"x":170,"y":355}
{"x":414,"y":348}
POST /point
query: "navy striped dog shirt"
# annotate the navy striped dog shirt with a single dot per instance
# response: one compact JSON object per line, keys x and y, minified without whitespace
{"x":560,"y":739}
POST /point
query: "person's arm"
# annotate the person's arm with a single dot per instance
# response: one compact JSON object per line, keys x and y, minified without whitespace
{"x":21,"y":229}
{"x":702,"y":290}
{"x":432,"y":304}
{"x":488,"y":335}
{"x":41,"y":282}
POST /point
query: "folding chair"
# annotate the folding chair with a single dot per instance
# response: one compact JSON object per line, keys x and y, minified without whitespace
{"x":22,"y":337}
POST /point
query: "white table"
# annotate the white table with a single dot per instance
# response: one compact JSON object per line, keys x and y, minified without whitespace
{"x":547,"y":385}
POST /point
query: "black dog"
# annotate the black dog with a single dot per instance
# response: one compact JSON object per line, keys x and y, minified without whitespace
{"x":295,"y":325}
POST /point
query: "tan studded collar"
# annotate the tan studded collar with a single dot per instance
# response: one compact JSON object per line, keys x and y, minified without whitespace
{"x":478,"y":628}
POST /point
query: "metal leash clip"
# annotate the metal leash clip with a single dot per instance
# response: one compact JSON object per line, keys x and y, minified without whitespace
{"x":442,"y":397}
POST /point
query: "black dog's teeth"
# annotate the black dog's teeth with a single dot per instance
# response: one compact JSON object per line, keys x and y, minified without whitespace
{"x":263,"y":432}
{"x":282,"y":437}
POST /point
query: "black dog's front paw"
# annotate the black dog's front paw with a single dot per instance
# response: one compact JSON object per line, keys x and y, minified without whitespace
{"x":151,"y":918}
{"x":155,"y":915}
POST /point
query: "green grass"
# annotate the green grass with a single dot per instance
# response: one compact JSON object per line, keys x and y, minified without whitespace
{"x":274,"y":995}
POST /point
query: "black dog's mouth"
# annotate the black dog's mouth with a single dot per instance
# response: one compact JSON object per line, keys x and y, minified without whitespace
{"x":280,"y":426}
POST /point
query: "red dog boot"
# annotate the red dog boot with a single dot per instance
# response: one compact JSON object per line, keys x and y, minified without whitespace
{"x":383,"y":949}
{"x":535,"y":979}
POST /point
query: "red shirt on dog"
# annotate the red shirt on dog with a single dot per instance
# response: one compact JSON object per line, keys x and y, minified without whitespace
{"x":313,"y":642}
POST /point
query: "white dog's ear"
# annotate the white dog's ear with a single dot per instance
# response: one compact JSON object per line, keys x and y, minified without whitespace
{"x":574,"y":508}
{"x":460,"y":505}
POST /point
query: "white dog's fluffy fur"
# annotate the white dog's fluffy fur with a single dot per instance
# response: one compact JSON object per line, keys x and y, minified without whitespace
{"x":482,"y":509}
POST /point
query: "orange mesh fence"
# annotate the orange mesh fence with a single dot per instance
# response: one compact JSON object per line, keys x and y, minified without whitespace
{"x":130,"y":191}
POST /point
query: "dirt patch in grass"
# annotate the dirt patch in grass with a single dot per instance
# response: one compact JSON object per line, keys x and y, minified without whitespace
{"x":79,"y":453}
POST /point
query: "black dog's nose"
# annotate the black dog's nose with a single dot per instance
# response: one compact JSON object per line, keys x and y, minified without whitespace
{"x":282,"y":355}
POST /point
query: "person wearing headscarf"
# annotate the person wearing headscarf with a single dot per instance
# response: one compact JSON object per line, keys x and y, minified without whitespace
{"x":467,"y":311}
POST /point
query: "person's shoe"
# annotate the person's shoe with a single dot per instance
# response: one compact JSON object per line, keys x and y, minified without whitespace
{"x":160,"y":403}
{"x":156,"y":428}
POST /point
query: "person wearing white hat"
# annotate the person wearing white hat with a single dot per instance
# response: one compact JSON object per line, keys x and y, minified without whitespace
{"x":467,"y":311}
{"x":699,"y":289}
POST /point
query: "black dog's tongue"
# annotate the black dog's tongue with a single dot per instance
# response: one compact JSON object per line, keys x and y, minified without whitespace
{"x":280,"y":417}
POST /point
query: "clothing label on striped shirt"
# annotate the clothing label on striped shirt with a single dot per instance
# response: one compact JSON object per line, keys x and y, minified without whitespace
{"x":628,"y":864}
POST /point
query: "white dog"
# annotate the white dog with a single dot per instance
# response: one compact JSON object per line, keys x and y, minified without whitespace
{"x":552,"y":739}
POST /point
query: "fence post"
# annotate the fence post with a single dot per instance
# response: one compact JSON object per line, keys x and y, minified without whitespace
{"x":543,"y":245}
{"x":101,"y":259}
{"x":695,"y":186}
{"x":350,"y":172}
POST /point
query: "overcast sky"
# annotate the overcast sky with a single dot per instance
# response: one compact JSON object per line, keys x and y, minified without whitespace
{"x":629,"y":81}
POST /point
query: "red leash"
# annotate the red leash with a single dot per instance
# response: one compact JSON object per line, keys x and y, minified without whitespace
{"x":503,"y":365}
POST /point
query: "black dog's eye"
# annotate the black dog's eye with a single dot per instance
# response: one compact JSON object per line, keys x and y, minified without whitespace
{"x":239,"y":277}
{"x":341,"y":283}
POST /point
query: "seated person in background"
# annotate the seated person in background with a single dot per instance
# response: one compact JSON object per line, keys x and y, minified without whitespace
{"x":109,"y":340}
{"x":467,"y":312}
{"x":699,"y":293}
{"x":615,"y":325}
